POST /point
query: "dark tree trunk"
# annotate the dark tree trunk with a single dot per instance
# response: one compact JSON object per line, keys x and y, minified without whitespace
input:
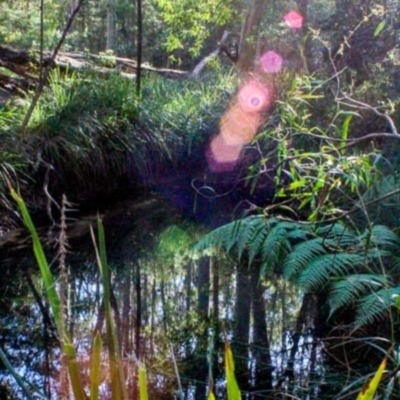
{"x":249,"y":35}
{"x":260,"y":346}
{"x":241,"y":329}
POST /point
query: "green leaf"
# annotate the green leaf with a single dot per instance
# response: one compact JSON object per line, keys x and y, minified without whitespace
{"x":370,"y":388}
{"x":74,"y":372}
{"x":17,"y":377}
{"x":231,"y":383}
{"x":345,"y":131}
{"x":95,"y":371}
{"x":47,"y":276}
{"x":118,"y":387}
{"x":143,"y":383}
{"x":379,"y":28}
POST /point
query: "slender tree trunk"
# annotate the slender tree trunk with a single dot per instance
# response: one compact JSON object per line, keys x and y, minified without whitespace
{"x":111,"y":31}
{"x":249,"y":35}
{"x":126,"y":313}
{"x":241,"y":331}
{"x":139,"y":46}
{"x":152,"y":316}
{"x":260,"y":346}
{"x":138,"y":290}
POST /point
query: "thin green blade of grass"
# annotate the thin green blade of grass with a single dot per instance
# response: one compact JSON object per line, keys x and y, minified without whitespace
{"x":18,"y":379}
{"x":143,"y":383}
{"x":47,"y":276}
{"x":118,"y":388}
{"x":73,"y":372}
{"x":95,"y":368}
{"x":52,"y":295}
{"x":231,"y":383}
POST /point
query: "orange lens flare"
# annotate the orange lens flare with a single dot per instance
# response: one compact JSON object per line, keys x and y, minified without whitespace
{"x":238,"y":127}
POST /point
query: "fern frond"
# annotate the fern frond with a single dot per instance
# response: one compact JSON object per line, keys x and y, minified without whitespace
{"x":348,"y":290}
{"x":257,"y":239}
{"x":239,"y":235}
{"x":303,"y":253}
{"x":380,"y":236}
{"x":250,"y":235}
{"x":375,"y":306}
{"x":342,"y":236}
{"x":318,"y":272}
{"x":275,"y":247}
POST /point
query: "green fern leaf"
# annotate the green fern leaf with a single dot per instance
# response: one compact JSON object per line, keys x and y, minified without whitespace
{"x":257,"y":239}
{"x":380,"y":236}
{"x":303,"y":254}
{"x":375,"y":306}
{"x":318,"y":272}
{"x":342,"y":236}
{"x":275,"y":247}
{"x":250,"y":234}
{"x":348,"y":290}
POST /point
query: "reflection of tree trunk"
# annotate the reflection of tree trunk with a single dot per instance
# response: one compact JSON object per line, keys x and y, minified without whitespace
{"x":152,"y":316}
{"x":203,"y":287}
{"x":164,"y":304}
{"x":126,"y":313}
{"x":249,"y":35}
{"x":260,"y":347}
{"x":188,"y":289}
{"x":138,"y":290}
{"x":242,"y":326}
{"x":203,"y":302}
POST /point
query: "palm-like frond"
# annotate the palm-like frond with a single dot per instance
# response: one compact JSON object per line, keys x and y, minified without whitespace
{"x":380,"y":236}
{"x":347,"y":291}
{"x":342,"y":236}
{"x":303,"y":253}
{"x":319,"y":271}
{"x":375,"y":306}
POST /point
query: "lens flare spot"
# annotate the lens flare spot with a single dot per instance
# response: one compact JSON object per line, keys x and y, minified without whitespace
{"x":271,"y":62}
{"x":221,"y":156}
{"x":294,"y":19}
{"x":238,"y":127}
{"x":254,"y":97}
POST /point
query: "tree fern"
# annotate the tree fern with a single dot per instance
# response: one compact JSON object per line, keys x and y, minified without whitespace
{"x":375,"y":306}
{"x":347,"y":291}
{"x":330,"y":257}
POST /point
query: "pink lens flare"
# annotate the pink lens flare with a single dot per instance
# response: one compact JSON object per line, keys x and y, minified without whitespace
{"x":222,"y":157}
{"x":271,"y":62}
{"x":254,"y":97}
{"x":294,"y":19}
{"x":238,"y":127}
